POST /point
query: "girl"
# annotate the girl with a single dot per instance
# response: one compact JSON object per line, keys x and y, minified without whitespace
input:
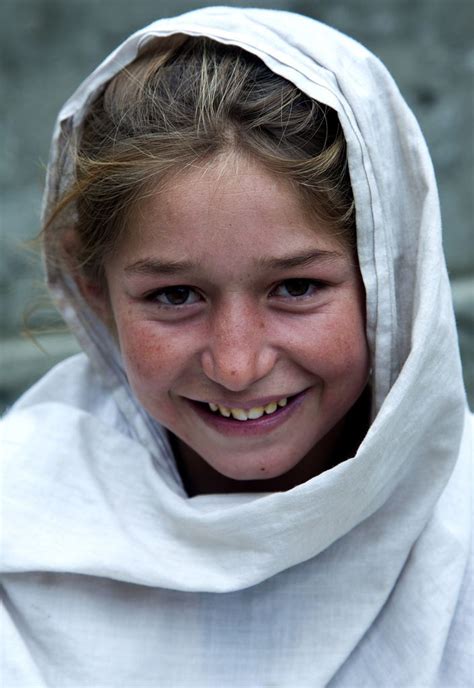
{"x":242,"y":229}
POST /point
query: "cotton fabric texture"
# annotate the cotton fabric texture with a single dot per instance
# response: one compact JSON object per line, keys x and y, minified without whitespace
{"x":359,"y":577}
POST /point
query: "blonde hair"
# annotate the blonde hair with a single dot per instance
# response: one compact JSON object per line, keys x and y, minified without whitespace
{"x":186,"y":103}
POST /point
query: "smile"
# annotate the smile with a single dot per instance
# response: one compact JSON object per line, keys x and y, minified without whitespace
{"x":250,"y":414}
{"x":251,"y":421}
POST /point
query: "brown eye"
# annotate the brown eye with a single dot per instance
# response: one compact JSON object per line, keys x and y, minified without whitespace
{"x":175,"y":296}
{"x":294,"y":288}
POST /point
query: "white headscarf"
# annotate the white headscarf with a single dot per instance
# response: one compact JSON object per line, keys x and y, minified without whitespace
{"x":354,"y":578}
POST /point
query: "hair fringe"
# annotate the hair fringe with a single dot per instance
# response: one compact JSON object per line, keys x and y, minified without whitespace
{"x":183,"y":102}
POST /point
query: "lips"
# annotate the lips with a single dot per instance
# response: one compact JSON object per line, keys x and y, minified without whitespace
{"x":252,"y":413}
{"x":239,"y":420}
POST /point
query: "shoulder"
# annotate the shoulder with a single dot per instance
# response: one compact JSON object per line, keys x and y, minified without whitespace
{"x":62,"y":468}
{"x":73,"y":382}
{"x":36,"y":440}
{"x":458,"y":660}
{"x":69,"y":387}
{"x":57,"y":425}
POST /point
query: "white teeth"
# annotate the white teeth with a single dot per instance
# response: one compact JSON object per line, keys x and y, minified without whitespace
{"x":238,"y":414}
{"x":251,"y":414}
{"x":270,"y":408}
{"x":256,"y":412}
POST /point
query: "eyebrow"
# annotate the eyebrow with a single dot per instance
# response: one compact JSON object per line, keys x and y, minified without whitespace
{"x":155,"y":266}
{"x":299,"y":260}
{"x":174,"y":267}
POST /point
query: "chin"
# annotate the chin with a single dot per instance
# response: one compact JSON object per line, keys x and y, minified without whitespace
{"x":257,"y":466}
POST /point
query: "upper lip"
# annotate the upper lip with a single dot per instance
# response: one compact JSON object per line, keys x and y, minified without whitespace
{"x":249,"y":404}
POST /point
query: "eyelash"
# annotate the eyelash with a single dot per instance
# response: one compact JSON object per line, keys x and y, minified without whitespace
{"x":154,"y":296}
{"x":317,"y":285}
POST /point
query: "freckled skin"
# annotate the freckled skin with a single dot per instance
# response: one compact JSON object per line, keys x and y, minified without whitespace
{"x":237,"y":342}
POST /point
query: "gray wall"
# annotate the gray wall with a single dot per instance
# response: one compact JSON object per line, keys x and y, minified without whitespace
{"x":49,"y":46}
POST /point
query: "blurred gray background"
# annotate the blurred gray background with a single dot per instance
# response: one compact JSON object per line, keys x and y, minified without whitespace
{"x":49,"y":46}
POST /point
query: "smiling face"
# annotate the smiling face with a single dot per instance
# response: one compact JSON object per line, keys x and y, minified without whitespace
{"x":227,"y":299}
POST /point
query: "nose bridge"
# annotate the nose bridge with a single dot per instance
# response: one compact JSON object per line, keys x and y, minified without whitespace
{"x":238,"y":353}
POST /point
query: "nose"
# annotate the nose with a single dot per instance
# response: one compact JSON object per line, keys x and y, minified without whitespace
{"x":238,"y":352}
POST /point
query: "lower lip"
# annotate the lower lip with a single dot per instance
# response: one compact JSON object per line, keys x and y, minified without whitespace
{"x":259,"y":426}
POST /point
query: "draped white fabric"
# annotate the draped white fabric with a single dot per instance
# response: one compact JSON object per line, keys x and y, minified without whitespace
{"x":359,"y":577}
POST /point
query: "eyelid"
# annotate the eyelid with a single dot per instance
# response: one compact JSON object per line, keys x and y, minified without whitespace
{"x":315,"y":286}
{"x":318,"y":285}
{"x":152,"y":295}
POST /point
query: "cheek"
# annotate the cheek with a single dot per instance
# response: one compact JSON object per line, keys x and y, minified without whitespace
{"x":150,"y":359}
{"x":334,"y":346}
{"x":351,"y":362}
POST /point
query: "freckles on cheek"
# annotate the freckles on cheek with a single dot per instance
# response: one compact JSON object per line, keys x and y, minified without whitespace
{"x":348,"y":341}
{"x":352,"y":355}
{"x":144,"y":353}
{"x":334,"y":344}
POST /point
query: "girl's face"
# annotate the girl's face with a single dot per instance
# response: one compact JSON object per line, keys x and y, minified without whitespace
{"x":240,"y":321}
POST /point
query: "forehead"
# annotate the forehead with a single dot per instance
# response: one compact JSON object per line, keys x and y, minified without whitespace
{"x":230,"y":204}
